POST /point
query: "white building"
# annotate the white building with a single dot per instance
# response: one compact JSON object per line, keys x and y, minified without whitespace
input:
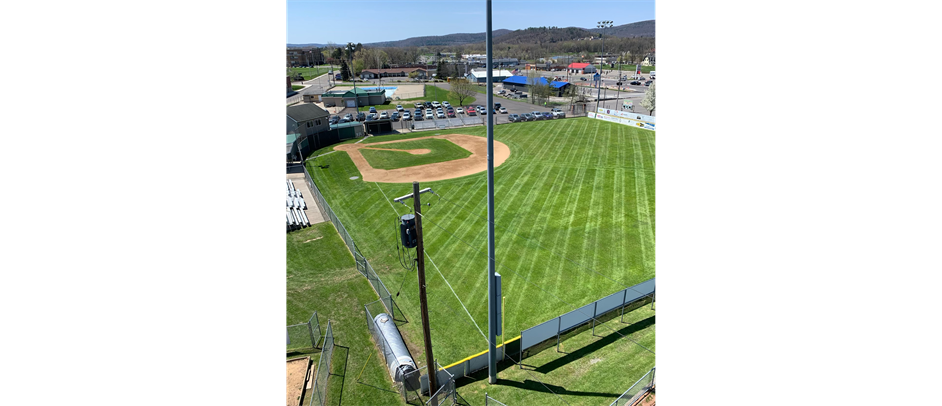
{"x":480,"y":75}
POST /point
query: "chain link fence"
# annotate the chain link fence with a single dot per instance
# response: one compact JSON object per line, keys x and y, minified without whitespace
{"x":637,"y":391}
{"x":458,"y":121}
{"x":363,"y":266}
{"x":323,"y":369}
{"x":304,"y":336}
{"x":446,"y":394}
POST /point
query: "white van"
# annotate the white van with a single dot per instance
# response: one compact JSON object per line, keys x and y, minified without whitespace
{"x":652,"y":74}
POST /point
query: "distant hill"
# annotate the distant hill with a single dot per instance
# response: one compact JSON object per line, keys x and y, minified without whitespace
{"x":538,"y":35}
{"x":439,"y":40}
{"x":638,"y":29}
{"x":525,"y":36}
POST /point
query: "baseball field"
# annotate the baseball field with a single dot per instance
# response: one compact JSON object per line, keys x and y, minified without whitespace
{"x":575,"y":221}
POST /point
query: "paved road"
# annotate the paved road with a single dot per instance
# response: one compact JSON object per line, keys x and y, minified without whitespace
{"x":318,"y":85}
{"x":520,"y":107}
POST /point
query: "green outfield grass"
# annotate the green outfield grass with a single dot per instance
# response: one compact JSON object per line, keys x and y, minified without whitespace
{"x":310,"y":73}
{"x":631,"y":68}
{"x":442,"y":150}
{"x":583,"y":188}
{"x":322,"y":277}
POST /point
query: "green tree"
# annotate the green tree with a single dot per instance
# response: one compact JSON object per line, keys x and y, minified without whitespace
{"x":357,"y":67}
{"x":344,"y":70}
{"x":442,"y":70}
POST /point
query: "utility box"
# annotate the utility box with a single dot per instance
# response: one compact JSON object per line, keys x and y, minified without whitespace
{"x":407,"y":232}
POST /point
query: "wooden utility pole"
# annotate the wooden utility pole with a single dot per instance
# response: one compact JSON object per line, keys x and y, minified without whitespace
{"x":420,"y":265}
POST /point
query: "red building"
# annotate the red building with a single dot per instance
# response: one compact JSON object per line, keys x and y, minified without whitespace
{"x":582,"y":68}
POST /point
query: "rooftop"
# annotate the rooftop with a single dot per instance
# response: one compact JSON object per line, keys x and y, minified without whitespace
{"x":306,"y":112}
{"x":483,"y":72}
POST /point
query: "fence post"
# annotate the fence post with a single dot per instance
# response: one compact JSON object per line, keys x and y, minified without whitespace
{"x":558,"y":325}
{"x":310,"y":331}
{"x":652,"y":300}
{"x":623,"y":297}
{"x":595,"y":310}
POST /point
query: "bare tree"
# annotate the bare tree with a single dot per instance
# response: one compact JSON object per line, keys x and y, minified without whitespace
{"x":462,"y":89}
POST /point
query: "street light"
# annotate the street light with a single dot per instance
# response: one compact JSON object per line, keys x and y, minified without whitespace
{"x":598,"y":85}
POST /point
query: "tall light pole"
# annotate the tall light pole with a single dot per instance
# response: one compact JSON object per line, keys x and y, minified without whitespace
{"x":598,"y":85}
{"x":492,"y":299}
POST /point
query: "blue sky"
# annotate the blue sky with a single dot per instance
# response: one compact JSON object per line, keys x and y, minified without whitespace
{"x":320,"y":21}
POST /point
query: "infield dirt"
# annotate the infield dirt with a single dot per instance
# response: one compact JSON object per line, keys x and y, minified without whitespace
{"x":475,"y":163}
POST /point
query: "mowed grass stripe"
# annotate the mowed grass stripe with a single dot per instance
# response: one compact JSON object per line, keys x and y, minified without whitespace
{"x":641,"y":195}
{"x":572,"y":209}
{"x":598,"y":204}
{"x":520,"y":261}
{"x":652,"y":145}
{"x":509,"y":223}
{"x":551,"y":161}
{"x":620,"y":221}
{"x":531,"y":256}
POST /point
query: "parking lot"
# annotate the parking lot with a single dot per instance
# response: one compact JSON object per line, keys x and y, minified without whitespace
{"x":518,"y":107}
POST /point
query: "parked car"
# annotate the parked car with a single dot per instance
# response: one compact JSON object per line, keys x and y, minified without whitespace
{"x":428,"y":111}
{"x":427,"y":105}
{"x":515,"y":118}
{"x":537,"y":115}
{"x":361,"y":116}
{"x":527,"y":117}
{"x":547,"y":115}
{"x":334,"y":119}
{"x":440,"y":114}
{"x":399,"y":107}
{"x":497,"y":105}
{"x":446,"y":104}
{"x":436,"y":104}
{"x":635,"y":83}
{"x":384,"y":115}
{"x":418,"y":117}
{"x":471,"y":112}
{"x":394,"y":116}
{"x":648,"y":83}
{"x":503,"y":110}
{"x":372,"y":109}
{"x":419,"y":105}
{"x":370,"y":117}
{"x":348,"y":117}
{"x":406,"y":116}
{"x":428,"y":115}
{"x":460,"y":110}
{"x":502,"y":92}
{"x":557,"y":113}
{"x":451,"y":113}
{"x":584,"y":79}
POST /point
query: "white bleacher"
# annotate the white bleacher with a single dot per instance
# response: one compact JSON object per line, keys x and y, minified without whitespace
{"x":295,"y":218}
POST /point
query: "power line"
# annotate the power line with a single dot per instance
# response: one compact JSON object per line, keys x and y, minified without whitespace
{"x":453,"y":292}
{"x":575,"y":308}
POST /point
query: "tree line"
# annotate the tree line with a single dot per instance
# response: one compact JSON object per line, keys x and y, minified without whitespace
{"x":359,"y":57}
